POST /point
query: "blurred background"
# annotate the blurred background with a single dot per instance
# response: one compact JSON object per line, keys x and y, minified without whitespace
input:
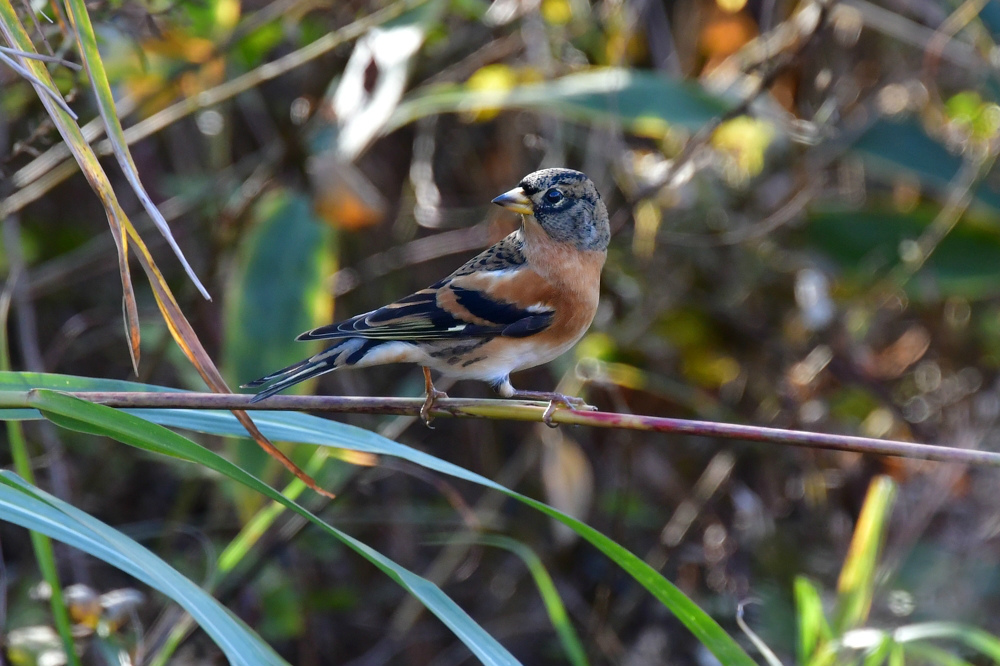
{"x":804,"y":211}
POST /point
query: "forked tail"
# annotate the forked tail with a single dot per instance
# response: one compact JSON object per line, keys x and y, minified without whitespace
{"x":344,"y":352}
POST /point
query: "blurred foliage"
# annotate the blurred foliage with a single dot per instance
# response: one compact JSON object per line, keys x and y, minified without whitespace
{"x":820,"y":254}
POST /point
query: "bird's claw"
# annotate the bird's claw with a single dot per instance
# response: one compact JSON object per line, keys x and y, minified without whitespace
{"x":429,"y":403}
{"x":567,"y":401}
{"x":432,"y":397}
{"x":549,"y":411}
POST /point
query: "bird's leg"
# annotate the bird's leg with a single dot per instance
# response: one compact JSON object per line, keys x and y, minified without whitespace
{"x":432,"y":396}
{"x":556,"y":400}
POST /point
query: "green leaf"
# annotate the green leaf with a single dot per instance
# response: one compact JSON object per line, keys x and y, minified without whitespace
{"x":75,"y":414}
{"x":29,"y":507}
{"x":554,"y":606}
{"x":620,"y":96}
{"x":891,"y":146}
{"x":92,"y":61}
{"x":866,"y":243}
{"x":78,"y":145}
{"x":814,"y":631}
{"x":308,"y":429}
{"x":880,"y":652}
{"x":856,"y":584}
{"x":42,"y":545}
{"x":975,"y":638}
{"x":272,"y":299}
{"x":897,"y":657}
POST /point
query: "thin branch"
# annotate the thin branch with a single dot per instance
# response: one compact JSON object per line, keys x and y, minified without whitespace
{"x":524,"y":410}
{"x":414,"y":252}
{"x":910,"y":32}
{"x":915,"y":255}
{"x":786,"y":211}
{"x":44,"y":58}
{"x":763,"y":56}
{"x":38,"y":84}
{"x":956,"y":21}
{"x":224,"y":91}
{"x":38,"y":28}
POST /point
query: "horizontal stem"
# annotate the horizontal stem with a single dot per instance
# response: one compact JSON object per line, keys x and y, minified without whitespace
{"x":520,"y":410}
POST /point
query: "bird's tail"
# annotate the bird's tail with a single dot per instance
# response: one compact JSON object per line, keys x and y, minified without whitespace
{"x":344,"y":352}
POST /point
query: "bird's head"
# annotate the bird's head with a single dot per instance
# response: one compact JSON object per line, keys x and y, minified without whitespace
{"x":566,"y":205}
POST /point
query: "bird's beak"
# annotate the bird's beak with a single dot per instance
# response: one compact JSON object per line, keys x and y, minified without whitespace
{"x":515,"y":200}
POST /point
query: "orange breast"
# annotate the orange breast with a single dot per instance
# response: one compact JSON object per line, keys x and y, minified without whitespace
{"x":556,"y":277}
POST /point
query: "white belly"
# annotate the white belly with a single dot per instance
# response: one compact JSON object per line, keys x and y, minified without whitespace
{"x":492,"y":361}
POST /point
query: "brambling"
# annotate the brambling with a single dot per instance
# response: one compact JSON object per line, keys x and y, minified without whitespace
{"x":521,"y":303}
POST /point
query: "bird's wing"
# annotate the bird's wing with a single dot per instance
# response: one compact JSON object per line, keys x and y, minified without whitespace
{"x":456,"y":307}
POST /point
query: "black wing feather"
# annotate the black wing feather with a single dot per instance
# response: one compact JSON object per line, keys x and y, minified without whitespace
{"x":482,"y":306}
{"x":418,"y":317}
{"x":522,"y":328}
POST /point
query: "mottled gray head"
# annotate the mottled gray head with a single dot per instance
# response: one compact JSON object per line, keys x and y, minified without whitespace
{"x":566,"y":205}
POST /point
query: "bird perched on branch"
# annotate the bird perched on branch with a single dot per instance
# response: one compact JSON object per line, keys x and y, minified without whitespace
{"x":521,"y":303}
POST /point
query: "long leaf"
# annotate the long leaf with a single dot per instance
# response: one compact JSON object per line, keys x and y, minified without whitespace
{"x":25,"y":505}
{"x":865,"y":243}
{"x":856,"y":584}
{"x":307,"y":429}
{"x":814,"y":630}
{"x":82,"y":416}
{"x":124,"y":233}
{"x":106,"y":104}
{"x":547,"y":590}
{"x":977,"y":639}
{"x":889,"y":146}
{"x":41,"y":544}
{"x":608,"y":95}
{"x":72,"y":135}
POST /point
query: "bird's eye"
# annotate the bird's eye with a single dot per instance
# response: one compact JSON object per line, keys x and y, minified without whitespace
{"x":553,"y":196}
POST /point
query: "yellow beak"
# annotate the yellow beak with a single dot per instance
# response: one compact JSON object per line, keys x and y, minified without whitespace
{"x":515,"y":200}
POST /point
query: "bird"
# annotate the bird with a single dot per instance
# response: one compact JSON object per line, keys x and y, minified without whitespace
{"x":520,"y":303}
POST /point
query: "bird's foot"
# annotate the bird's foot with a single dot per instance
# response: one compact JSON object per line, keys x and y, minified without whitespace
{"x":556,"y":400}
{"x":432,"y":397}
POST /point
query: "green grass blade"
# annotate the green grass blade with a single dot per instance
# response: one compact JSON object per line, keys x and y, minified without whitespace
{"x":705,"y":629}
{"x":977,"y":639}
{"x":25,"y":505}
{"x":554,"y":606}
{"x":881,"y":652}
{"x":94,"y":65}
{"x":856,"y":584}
{"x":931,"y":654}
{"x":41,"y":545}
{"x":82,"y":416}
{"x":308,"y":429}
{"x":239,"y":548}
{"x":72,"y":136}
{"x":814,"y":630}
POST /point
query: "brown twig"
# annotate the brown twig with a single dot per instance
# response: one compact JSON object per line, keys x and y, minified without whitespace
{"x":769,"y":69}
{"x":520,"y":410}
{"x":224,"y":91}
